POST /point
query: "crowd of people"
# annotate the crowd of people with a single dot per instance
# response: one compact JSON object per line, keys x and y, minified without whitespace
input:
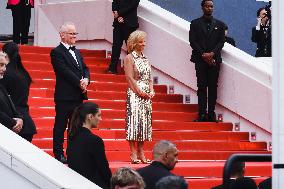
{"x":85,"y":150}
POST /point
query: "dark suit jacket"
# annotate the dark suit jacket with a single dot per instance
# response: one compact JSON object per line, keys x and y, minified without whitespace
{"x":128,"y":10}
{"x":266,"y":184}
{"x":232,"y":181}
{"x":86,"y":155}
{"x":263,"y":42}
{"x":68,"y":74}
{"x":18,"y":87}
{"x":153,"y":173}
{"x":7,"y":109}
{"x":202,"y":41}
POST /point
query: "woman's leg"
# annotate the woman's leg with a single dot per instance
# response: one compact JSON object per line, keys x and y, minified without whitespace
{"x":140,"y":152}
{"x":133,"y":152}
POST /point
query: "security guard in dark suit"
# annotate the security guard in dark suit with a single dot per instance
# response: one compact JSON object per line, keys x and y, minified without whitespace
{"x":207,"y":37}
{"x":125,"y":22}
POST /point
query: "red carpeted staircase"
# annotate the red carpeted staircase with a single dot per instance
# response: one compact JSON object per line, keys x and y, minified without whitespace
{"x":203,"y":147}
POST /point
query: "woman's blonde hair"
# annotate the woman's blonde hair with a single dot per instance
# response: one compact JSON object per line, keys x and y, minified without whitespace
{"x":134,"y":38}
{"x":3,"y":56}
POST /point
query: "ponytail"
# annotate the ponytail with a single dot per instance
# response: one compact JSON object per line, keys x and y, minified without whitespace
{"x":79,"y":116}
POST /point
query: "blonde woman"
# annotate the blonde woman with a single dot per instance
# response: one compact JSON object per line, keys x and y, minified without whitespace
{"x":139,"y":94}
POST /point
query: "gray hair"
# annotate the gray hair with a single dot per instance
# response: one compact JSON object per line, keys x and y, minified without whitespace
{"x":172,"y":182}
{"x":162,"y":147}
{"x":126,"y":176}
{"x":64,"y":26}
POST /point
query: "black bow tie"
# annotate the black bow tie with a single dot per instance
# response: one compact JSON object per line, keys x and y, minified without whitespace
{"x":72,"y":48}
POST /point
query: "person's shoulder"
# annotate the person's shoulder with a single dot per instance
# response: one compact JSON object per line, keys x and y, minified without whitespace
{"x":57,"y":48}
{"x":196,"y":20}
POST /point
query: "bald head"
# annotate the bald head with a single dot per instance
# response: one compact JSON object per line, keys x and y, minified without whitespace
{"x":162,"y":147}
{"x":166,"y":152}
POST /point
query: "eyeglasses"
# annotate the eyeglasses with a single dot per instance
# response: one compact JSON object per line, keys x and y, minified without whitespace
{"x":73,"y":33}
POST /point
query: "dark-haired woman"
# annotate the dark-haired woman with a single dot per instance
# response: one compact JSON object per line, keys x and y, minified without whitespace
{"x":17,"y":82}
{"x":86,"y":151}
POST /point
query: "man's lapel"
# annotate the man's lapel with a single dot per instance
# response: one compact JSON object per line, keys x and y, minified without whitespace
{"x":69,"y":56}
{"x":212,"y":28}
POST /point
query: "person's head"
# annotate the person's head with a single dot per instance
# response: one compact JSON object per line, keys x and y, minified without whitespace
{"x":207,"y":7}
{"x":86,"y":115}
{"x":171,"y":182}
{"x":3,"y":63}
{"x":12,"y":50}
{"x":262,"y":13}
{"x":126,"y":178}
{"x":68,"y":33}
{"x":244,"y":183}
{"x":166,"y":152}
{"x":238,"y":169}
{"x":136,"y":41}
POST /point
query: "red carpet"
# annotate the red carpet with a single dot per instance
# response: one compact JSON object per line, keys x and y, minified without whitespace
{"x":202,"y":146}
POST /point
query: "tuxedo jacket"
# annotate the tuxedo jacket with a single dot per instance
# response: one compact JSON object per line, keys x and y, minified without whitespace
{"x":68,"y":74}
{"x":152,"y":173}
{"x":7,"y":109}
{"x":128,"y":10}
{"x":202,"y":41}
{"x":263,"y":41}
{"x":86,"y":155}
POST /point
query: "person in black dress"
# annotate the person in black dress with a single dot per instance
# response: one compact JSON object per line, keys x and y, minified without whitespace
{"x":86,"y":151}
{"x":17,"y":82}
{"x":9,"y":117}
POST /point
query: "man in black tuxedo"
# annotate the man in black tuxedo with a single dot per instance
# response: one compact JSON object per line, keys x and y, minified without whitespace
{"x":72,"y":79}
{"x":261,"y":34}
{"x":207,"y":37}
{"x":125,"y":22}
{"x":9,"y":116}
{"x":165,"y":158}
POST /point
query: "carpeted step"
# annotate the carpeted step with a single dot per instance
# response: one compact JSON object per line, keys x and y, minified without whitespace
{"x":109,"y":95}
{"x":119,"y":104}
{"x":122,"y":145}
{"x":172,"y":135}
{"x":205,"y":169}
{"x":119,"y":114}
{"x":96,"y":85}
{"x":40,"y":74}
{"x":47,"y":50}
{"x":44,"y":124}
{"x":35,"y":57}
{"x":114,"y":156}
{"x":42,"y":66}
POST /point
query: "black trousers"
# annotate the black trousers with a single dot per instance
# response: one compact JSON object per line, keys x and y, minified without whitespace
{"x":207,"y":79}
{"x":120,"y":34}
{"x":21,"y":22}
{"x":63,"y":111}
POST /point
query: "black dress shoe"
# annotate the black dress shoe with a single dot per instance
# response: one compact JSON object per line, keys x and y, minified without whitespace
{"x":61,"y":158}
{"x":201,"y":118}
{"x":212,"y":117}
